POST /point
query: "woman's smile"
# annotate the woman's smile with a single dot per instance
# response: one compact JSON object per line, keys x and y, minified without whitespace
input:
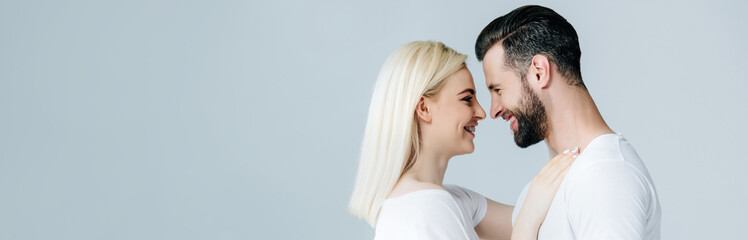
{"x":470,"y":129}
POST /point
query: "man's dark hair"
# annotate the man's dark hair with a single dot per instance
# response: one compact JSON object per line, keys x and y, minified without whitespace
{"x":531,"y":30}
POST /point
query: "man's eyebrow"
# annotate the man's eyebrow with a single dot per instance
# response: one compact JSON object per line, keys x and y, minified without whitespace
{"x":470,"y":90}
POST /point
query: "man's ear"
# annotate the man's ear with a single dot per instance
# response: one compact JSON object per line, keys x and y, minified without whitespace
{"x":540,"y":71}
{"x":422,"y":110}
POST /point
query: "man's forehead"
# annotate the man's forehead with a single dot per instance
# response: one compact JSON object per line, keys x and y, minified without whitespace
{"x":493,"y":66}
{"x":494,"y":55}
{"x":491,"y":70}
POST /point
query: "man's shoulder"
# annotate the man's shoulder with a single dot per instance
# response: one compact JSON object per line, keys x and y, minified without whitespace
{"x":609,"y":192}
{"x":608,"y":152}
{"x":610,"y":161}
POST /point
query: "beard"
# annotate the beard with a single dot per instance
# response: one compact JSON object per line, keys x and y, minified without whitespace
{"x":532,"y":120}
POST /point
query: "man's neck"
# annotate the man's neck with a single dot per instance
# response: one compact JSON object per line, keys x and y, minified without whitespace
{"x":574,"y":122}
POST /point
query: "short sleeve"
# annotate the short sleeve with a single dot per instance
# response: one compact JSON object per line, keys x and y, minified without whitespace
{"x":438,"y":218}
{"x":472,"y":203}
{"x":609,"y":200}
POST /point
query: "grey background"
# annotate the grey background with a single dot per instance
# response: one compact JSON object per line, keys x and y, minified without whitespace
{"x":243,"y":119}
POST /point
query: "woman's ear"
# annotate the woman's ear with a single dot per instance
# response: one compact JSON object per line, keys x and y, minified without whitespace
{"x":422,"y":110}
{"x":541,"y":70}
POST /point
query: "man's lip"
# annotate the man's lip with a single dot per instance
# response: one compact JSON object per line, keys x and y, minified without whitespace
{"x":507,"y":117}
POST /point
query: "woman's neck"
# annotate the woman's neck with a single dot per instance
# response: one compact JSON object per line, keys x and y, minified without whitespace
{"x":430,"y":167}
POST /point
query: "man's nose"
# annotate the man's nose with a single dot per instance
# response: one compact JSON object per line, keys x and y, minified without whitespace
{"x":496,"y":109}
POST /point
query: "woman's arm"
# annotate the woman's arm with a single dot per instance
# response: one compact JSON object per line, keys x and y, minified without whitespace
{"x":540,"y":195}
{"x":497,"y":224}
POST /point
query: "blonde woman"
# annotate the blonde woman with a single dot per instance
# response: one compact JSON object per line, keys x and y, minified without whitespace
{"x":423,"y":112}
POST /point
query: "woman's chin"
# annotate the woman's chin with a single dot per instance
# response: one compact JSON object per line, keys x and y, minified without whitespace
{"x":468,"y":149}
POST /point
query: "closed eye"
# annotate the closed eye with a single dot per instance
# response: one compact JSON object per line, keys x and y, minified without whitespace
{"x":468,"y":99}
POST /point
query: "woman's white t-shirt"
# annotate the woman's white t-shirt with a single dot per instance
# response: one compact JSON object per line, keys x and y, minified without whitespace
{"x":432,"y":214}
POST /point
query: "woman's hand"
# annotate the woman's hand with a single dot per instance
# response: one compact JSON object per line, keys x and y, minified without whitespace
{"x":540,"y":195}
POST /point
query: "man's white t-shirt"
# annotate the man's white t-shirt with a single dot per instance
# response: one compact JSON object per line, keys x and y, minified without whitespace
{"x":607,"y":194}
{"x":432,"y":214}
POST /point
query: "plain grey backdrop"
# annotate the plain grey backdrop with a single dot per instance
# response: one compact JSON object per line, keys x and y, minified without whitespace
{"x":243,"y":119}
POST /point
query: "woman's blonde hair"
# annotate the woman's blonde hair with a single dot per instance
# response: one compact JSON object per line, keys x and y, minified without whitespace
{"x":391,"y":140}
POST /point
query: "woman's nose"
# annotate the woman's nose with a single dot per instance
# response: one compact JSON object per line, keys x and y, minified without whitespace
{"x":480,"y":113}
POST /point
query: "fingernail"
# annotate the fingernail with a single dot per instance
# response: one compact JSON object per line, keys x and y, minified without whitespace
{"x":566,"y":151}
{"x":575,"y":156}
{"x":575,"y":149}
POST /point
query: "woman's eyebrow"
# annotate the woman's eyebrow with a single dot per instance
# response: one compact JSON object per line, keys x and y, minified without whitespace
{"x":470,"y":90}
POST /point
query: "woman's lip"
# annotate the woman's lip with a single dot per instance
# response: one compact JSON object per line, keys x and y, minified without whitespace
{"x":465,"y":128}
{"x":469,"y":132}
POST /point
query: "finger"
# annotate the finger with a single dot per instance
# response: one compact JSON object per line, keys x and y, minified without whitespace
{"x":568,"y":161}
{"x":566,"y":154}
{"x":575,"y":150}
{"x":559,"y":157}
{"x":549,"y":165}
{"x":560,"y":178}
{"x":554,"y":170}
{"x":547,"y":169}
{"x":558,"y":163}
{"x":565,"y":169}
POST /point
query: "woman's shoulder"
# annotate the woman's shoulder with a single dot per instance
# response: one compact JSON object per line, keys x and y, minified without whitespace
{"x":407,"y":186}
{"x":422,"y":214}
{"x":473,"y":204}
{"x":422,"y":199}
{"x":425,"y":212}
{"x":416,"y":197}
{"x":420,"y":206}
{"x":463,"y":193}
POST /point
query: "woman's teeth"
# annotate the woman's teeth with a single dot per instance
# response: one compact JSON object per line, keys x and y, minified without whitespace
{"x":470,"y":128}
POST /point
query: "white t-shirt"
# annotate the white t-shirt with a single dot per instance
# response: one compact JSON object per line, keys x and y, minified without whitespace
{"x":432,"y":214}
{"x":607,"y":194}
